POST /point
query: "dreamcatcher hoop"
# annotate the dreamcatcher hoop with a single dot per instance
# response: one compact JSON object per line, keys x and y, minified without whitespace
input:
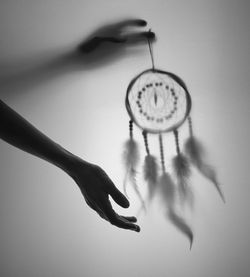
{"x":167,"y":90}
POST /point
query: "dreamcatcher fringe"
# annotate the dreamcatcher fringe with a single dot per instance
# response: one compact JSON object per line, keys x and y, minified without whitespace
{"x":195,"y":152}
{"x":168,"y":194}
{"x":167,"y":189}
{"x":131,"y":153}
{"x":131,"y":160}
{"x":182,"y":171}
{"x":150,"y":170}
{"x":181,"y":224}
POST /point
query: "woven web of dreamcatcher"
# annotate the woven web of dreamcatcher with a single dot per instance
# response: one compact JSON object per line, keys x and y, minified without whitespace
{"x":157,"y":102}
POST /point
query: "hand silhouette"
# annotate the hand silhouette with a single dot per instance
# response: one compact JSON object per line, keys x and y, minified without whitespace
{"x":116,"y":33}
{"x":112,"y":41}
{"x":93,"y":182}
{"x":96,"y":187}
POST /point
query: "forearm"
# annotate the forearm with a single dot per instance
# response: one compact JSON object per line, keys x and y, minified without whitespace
{"x":17,"y":131}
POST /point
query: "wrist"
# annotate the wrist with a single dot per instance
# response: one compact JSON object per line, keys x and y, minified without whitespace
{"x":70,"y":163}
{"x":64,"y":159}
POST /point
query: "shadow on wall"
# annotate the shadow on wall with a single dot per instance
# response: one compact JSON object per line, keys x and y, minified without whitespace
{"x":103,"y":46}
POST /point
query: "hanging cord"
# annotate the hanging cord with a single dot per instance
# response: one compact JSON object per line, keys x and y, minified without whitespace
{"x":190,"y":126}
{"x":131,"y":129}
{"x":145,"y":137}
{"x":162,"y":153}
{"x":151,"y":51}
{"x":176,"y":136}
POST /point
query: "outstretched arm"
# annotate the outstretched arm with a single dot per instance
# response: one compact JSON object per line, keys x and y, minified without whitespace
{"x":93,"y":182}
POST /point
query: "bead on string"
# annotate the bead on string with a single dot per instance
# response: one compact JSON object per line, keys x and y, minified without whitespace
{"x":162,"y":153}
{"x":190,"y":126}
{"x":145,"y":137}
{"x":176,"y":135}
{"x":131,"y":129}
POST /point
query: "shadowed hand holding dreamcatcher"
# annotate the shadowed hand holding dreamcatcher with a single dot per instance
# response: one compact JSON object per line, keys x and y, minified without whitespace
{"x":158,"y":102}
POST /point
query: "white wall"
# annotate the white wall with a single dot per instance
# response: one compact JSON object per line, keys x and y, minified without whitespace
{"x":46,"y":228}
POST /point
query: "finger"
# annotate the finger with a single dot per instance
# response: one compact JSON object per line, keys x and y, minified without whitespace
{"x":130,"y":218}
{"x":141,"y":36}
{"x":111,"y":189}
{"x":132,"y":38}
{"x":118,"y":197}
{"x":149,"y":35}
{"x":135,"y":39}
{"x":117,"y":220}
{"x":132,"y":22}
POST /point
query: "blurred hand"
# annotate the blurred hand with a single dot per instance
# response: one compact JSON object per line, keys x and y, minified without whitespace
{"x":112,"y":41}
{"x":105,"y":45}
{"x":96,"y":187}
{"x":116,"y":33}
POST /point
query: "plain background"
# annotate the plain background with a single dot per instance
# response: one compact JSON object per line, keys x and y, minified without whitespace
{"x":46,"y":229}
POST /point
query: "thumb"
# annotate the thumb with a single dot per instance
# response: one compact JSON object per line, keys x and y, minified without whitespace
{"x":118,"y":197}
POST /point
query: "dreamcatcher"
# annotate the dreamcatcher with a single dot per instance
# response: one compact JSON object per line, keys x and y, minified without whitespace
{"x":158,"y":102}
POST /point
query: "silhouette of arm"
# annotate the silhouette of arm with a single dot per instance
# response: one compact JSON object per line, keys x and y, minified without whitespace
{"x":93,"y":182}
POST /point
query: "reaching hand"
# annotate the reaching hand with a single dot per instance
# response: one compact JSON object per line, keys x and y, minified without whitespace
{"x":96,"y":187}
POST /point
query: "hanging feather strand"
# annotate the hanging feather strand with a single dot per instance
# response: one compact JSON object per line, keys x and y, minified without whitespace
{"x":167,"y":189}
{"x":150,"y":175}
{"x":168,"y":194}
{"x":182,"y":171}
{"x":180,"y":223}
{"x":131,"y":160}
{"x":195,"y":152}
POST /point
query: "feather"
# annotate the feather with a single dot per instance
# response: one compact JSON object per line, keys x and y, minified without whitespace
{"x":133,"y":182}
{"x":210,"y":174}
{"x":181,"y":166}
{"x":181,"y":224}
{"x":167,"y":190}
{"x":131,"y":153}
{"x":150,"y":175}
{"x":131,"y":160}
{"x":195,"y":152}
{"x":182,"y":171}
